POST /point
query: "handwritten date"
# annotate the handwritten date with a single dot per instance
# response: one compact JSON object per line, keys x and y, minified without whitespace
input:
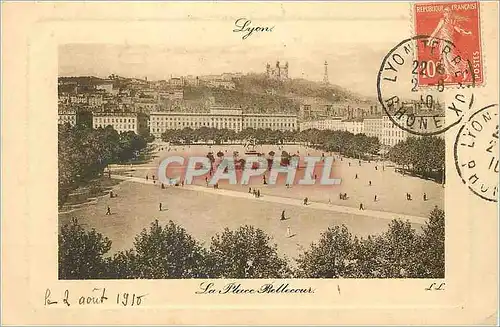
{"x":97,"y":296}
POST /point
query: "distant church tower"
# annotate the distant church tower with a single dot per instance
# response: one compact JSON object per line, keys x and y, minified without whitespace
{"x":325,"y":78}
{"x":279,"y":72}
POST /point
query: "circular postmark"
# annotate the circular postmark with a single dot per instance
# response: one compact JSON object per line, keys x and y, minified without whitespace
{"x":476,"y":153}
{"x":420,"y":80}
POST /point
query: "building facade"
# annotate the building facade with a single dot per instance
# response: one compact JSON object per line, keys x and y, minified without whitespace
{"x":373,"y":127}
{"x":219,"y":117}
{"x":391,"y":133}
{"x":177,"y":94}
{"x":145,"y":106}
{"x":74,"y":117}
{"x":106,"y":86}
{"x":353,"y":126}
{"x":67,"y":117}
{"x":333,"y":124}
{"x":221,"y":83}
{"x":121,"y":121}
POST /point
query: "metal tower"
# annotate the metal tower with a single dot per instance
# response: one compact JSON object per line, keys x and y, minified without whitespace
{"x":325,"y":78}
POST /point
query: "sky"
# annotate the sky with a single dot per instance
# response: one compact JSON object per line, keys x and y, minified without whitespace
{"x":353,"y":46}
{"x":351,"y":66}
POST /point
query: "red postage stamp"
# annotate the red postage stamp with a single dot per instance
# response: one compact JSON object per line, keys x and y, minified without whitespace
{"x":451,"y":55}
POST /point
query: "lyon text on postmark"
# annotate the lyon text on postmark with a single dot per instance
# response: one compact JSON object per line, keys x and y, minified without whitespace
{"x":416,"y":109}
{"x":476,"y":153}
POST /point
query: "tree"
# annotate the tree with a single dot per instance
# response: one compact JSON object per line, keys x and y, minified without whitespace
{"x":368,"y":259}
{"x":124,"y":265}
{"x":84,"y":152}
{"x":81,"y":252}
{"x":331,"y":257}
{"x":424,"y":156}
{"x":166,"y":252}
{"x":432,"y":246}
{"x":398,"y":251}
{"x":245,"y":253}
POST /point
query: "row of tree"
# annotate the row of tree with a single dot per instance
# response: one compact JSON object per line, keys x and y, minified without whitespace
{"x":343,"y":142}
{"x":424,"y":156}
{"x":84,"y":152}
{"x":162,"y":252}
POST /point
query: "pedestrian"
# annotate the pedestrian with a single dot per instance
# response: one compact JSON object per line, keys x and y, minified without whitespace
{"x":345,"y":196}
{"x":258,"y":193}
{"x":160,"y":206}
{"x":375,"y":198}
{"x":370,"y":183}
{"x":108,"y":211}
{"x":305,"y":201}
{"x":264,"y":179}
{"x":153,"y":177}
{"x":283,"y":215}
{"x":376,"y":168}
{"x":249,"y":190}
{"x":288,"y":232}
{"x":349,"y":164}
{"x":340,"y":196}
{"x":111,"y":194}
{"x":361,"y":206}
{"x":162,"y":186}
{"x":356,"y":177}
{"x":147,"y":177}
{"x":425,"y":197}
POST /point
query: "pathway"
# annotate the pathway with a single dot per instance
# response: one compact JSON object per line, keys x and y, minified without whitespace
{"x":284,"y":200}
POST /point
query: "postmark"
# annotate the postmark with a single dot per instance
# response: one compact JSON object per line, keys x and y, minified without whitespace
{"x":416,"y":109}
{"x":476,"y":153}
{"x":457,"y":22}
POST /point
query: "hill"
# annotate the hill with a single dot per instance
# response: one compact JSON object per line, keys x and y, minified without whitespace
{"x":258,"y":94}
{"x":295,"y":88}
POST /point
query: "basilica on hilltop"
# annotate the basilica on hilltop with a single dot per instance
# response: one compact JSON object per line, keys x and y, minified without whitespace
{"x":279,"y":72}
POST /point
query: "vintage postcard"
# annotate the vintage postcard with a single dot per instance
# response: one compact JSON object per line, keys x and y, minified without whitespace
{"x":281,"y":163}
